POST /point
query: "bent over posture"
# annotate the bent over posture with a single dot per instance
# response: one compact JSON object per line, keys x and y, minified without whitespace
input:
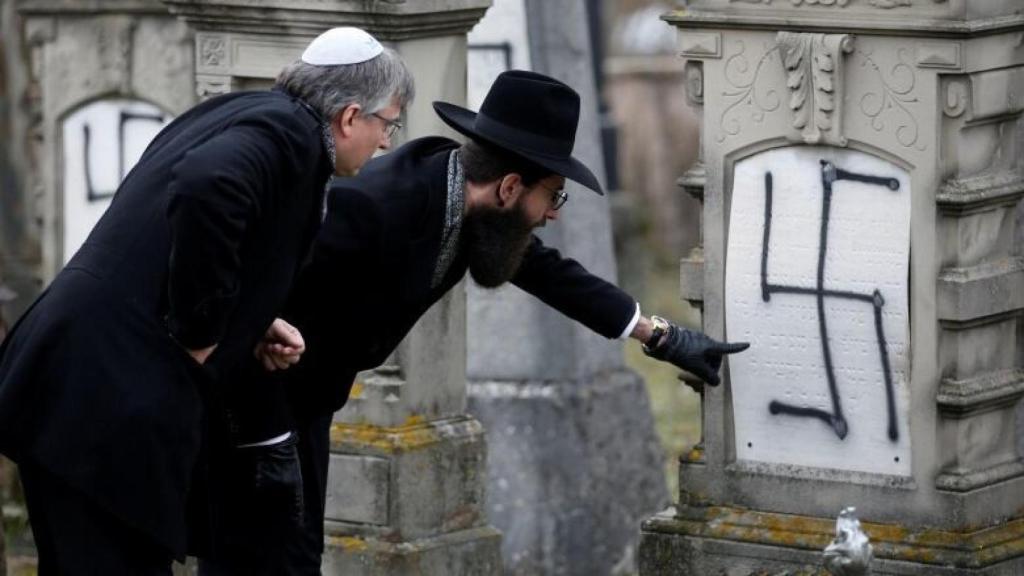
{"x":395,"y":239}
{"x":106,"y":382}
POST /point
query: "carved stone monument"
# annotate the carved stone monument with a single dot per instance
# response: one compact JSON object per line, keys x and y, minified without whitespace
{"x":861,"y":173}
{"x":405,"y":493}
{"x":106,"y":76}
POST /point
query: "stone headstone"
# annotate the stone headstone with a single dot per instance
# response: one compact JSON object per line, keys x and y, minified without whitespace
{"x":861,"y":180}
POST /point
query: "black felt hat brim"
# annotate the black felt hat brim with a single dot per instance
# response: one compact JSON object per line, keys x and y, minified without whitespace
{"x":463,"y":120}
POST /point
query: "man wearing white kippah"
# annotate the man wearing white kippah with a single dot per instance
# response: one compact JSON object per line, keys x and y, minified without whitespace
{"x":114,"y":379}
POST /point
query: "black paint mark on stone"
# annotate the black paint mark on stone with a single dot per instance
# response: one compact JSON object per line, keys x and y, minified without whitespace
{"x":834,"y":419}
{"x":92,"y":194}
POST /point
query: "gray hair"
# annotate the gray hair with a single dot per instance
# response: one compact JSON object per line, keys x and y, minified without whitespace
{"x":329,"y":89}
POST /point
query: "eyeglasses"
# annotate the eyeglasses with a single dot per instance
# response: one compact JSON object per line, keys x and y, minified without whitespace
{"x":558,"y":197}
{"x":391,"y":127}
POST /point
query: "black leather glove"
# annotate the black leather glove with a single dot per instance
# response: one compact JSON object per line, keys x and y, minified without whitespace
{"x":692,"y":351}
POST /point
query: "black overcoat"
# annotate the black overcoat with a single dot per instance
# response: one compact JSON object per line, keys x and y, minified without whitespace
{"x":369,"y":276}
{"x":199,"y":246}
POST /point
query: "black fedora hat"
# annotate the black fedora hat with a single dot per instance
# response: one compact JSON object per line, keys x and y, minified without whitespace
{"x":528,"y":114}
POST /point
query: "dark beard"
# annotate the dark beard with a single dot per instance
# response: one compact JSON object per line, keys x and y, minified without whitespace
{"x":495,"y":242}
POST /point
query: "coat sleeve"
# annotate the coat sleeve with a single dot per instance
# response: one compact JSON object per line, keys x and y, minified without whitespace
{"x":568,"y":287}
{"x":348,"y":249}
{"x":217,"y":190}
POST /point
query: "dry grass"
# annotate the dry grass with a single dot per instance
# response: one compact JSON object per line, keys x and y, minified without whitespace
{"x":676,"y":407}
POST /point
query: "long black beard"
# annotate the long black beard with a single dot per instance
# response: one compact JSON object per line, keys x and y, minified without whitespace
{"x":495,"y":242}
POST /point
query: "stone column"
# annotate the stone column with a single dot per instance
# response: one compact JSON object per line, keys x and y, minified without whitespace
{"x":862,"y":170}
{"x":574,"y":461}
{"x":406,"y":488}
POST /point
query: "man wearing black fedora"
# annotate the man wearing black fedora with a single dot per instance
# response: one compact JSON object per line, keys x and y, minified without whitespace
{"x":404,"y":231}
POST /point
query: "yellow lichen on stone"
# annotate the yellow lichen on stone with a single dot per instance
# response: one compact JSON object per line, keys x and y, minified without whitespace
{"x":357,"y":390}
{"x":349,"y":543}
{"x":978,"y":548}
{"x":388,"y":440}
{"x":696,"y":454}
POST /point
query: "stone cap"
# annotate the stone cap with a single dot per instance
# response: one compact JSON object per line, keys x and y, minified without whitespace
{"x":74,"y":7}
{"x":386,"y":20}
{"x":935,"y":18}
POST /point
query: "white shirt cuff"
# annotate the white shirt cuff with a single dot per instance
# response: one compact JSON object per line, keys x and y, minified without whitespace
{"x":632,"y":324}
{"x":270,"y":442}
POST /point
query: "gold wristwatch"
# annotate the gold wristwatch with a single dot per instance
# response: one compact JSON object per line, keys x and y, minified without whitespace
{"x":659,"y":330}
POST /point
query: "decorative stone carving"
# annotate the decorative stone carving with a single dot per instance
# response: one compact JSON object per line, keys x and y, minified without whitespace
{"x":957,"y":97}
{"x":746,"y":90}
{"x":693,"y":74}
{"x":840,"y":3}
{"x":814,"y":75}
{"x":387,"y":20}
{"x":939,"y":55}
{"x":886,"y":4}
{"x":887,"y":102}
{"x":700,"y":45}
{"x":210,"y":86}
{"x":212,"y":51}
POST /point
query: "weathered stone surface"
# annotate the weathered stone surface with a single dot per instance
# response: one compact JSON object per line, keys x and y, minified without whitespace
{"x":19,"y":232}
{"x":727,"y":541}
{"x":387,"y":21}
{"x":138,"y":51}
{"x":416,"y":481}
{"x":565,"y":481}
{"x":469,"y":552}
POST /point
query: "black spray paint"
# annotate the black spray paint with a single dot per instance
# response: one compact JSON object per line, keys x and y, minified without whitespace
{"x":92,"y":193}
{"x":835,"y":418}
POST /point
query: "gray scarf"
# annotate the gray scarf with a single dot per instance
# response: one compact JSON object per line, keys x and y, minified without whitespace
{"x":454,"y":211}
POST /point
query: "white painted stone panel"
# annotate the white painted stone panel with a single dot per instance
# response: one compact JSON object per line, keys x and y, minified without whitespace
{"x":102,"y":142}
{"x":827,"y":296}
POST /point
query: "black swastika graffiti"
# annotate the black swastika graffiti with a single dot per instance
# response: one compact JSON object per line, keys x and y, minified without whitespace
{"x":92,"y":193}
{"x":835,"y":419}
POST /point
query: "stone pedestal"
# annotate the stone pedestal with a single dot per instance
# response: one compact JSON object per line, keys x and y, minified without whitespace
{"x":406,"y":485}
{"x":862,"y":168}
{"x":574,"y":461}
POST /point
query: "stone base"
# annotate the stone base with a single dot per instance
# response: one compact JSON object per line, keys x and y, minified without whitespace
{"x":473,"y":552}
{"x":573,"y":468}
{"x":738,"y":542}
{"x":409,"y":500}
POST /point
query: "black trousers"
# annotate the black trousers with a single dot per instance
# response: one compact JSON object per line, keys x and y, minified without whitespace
{"x":268,"y":506}
{"x":75,"y":537}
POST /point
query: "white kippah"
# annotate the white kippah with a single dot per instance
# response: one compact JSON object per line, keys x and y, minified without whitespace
{"x":345,"y":45}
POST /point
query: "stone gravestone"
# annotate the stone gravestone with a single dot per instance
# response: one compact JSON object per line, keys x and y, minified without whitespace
{"x":862,"y":171}
{"x":107,"y":75}
{"x":574,"y":463}
{"x":406,"y":484}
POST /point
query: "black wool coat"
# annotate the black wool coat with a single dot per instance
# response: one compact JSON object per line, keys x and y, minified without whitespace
{"x":368,"y":278}
{"x":199,"y":246}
